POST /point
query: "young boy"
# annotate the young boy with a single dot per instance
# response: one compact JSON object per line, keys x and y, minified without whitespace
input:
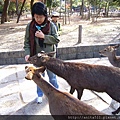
{"x":54,"y":17}
{"x":40,"y":35}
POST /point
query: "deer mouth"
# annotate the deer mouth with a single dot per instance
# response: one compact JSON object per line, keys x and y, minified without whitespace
{"x":100,"y":52}
{"x":30,"y":62}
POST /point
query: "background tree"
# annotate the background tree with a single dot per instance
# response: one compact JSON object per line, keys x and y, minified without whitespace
{"x":4,"y":17}
{"x":21,"y":11}
{"x":71,"y":6}
{"x":49,"y":5}
{"x":1,"y":5}
{"x":94,"y":6}
{"x":82,"y":9}
{"x":31,"y":4}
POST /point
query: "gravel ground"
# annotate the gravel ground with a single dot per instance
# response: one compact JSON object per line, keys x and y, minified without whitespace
{"x":104,"y":31}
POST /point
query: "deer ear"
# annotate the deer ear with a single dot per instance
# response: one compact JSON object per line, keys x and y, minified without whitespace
{"x":116,"y":46}
{"x":51,"y":54}
{"x":26,"y":67}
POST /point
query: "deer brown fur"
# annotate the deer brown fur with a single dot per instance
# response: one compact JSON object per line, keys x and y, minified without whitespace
{"x":60,"y":103}
{"x":82,"y":76}
{"x":110,"y":52}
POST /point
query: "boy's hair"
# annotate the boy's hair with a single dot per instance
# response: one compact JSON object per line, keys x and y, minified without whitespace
{"x":39,"y":8}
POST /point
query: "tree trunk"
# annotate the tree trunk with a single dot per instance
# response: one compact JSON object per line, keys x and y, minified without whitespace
{"x":107,"y":9}
{"x":17,"y":12}
{"x":88,"y":18}
{"x":82,"y":9}
{"x":4,"y":17}
{"x":20,"y":11}
{"x":65,"y":13}
{"x":70,"y":6}
{"x":31,"y":4}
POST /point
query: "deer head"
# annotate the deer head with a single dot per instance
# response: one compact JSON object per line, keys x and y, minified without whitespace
{"x":31,"y":71}
{"x":108,"y":50}
{"x":41,"y":58}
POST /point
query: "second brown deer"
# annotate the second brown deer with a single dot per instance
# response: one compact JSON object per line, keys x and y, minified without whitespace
{"x":82,"y":76}
{"x":60,"y":103}
{"x":110,"y":52}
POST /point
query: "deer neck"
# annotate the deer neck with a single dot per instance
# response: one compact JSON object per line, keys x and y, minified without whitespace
{"x":47,"y":88}
{"x":56,"y":66}
{"x":112,"y":58}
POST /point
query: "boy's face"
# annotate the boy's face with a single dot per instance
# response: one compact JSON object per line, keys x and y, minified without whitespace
{"x":39,"y":18}
{"x":55,"y":19}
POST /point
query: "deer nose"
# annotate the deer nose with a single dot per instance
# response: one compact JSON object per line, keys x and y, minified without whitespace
{"x":30,"y":62}
{"x":29,"y":59}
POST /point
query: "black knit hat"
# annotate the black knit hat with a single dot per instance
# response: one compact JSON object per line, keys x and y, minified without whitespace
{"x":39,"y":8}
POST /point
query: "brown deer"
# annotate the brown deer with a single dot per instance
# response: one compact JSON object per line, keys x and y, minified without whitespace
{"x":82,"y":76}
{"x":60,"y":103}
{"x":110,"y":52}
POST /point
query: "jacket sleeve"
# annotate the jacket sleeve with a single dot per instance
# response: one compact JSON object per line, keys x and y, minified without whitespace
{"x":26,"y":41}
{"x":52,"y":37}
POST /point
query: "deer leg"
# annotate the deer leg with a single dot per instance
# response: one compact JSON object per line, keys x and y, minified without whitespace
{"x":116,"y":111}
{"x":72,"y":90}
{"x":80,"y":92}
{"x":115,"y":95}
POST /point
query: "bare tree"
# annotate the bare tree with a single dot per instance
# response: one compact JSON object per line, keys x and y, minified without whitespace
{"x":4,"y":17}
{"x":21,"y":11}
{"x":71,"y":6}
{"x":65,"y":13}
{"x":82,"y":8}
{"x":17,"y":12}
{"x":31,"y":4}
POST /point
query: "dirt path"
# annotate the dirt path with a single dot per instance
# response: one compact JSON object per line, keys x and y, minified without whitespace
{"x":105,"y":30}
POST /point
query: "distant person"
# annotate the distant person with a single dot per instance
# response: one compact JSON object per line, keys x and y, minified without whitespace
{"x":41,"y":35}
{"x":54,"y":17}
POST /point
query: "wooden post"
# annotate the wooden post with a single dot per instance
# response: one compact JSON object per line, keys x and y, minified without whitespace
{"x":80,"y":34}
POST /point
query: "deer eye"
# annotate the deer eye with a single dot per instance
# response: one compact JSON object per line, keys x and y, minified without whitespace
{"x":29,"y":70}
{"x":35,"y":59}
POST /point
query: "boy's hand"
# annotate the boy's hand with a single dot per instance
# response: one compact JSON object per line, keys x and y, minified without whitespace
{"x":39,"y":34}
